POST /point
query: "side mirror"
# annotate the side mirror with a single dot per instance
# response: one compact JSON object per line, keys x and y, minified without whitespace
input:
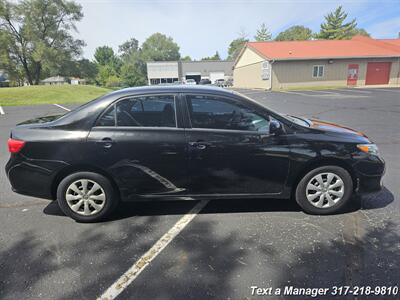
{"x":275,"y":127}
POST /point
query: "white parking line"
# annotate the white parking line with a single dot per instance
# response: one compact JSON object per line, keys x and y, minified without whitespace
{"x":296,"y":93}
{"x":326,"y":92}
{"x":129,"y":276}
{"x":388,"y":90}
{"x":299,"y":93}
{"x":1,"y":110}
{"x":356,"y":90}
{"x":62,"y":107}
{"x":254,"y":92}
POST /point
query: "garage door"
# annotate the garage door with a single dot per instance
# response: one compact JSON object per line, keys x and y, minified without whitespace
{"x":216,"y":75}
{"x":378,"y":73}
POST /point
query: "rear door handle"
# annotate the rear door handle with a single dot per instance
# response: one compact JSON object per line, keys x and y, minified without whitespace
{"x":199,"y":145}
{"x":106,"y":143}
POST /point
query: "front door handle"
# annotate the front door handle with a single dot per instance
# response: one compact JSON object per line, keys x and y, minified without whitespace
{"x":199,"y":145}
{"x":106,"y":143}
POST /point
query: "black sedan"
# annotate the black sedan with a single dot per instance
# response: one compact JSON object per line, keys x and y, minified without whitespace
{"x":187,"y":142}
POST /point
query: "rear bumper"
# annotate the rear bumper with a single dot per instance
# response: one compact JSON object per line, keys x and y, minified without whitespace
{"x":32,"y":177}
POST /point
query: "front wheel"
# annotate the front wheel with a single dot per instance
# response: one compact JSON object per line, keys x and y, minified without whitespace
{"x":324,"y":190}
{"x":86,"y":196}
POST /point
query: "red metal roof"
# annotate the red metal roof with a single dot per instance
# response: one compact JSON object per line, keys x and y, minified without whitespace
{"x":395,"y":42}
{"x":358,"y":46}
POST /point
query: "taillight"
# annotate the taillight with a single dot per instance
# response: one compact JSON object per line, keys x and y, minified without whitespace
{"x":15,"y":146}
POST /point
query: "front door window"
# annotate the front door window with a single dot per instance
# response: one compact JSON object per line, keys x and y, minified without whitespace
{"x":220,"y":113}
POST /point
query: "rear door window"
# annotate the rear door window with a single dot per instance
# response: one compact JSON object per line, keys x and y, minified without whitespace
{"x":147,"y":111}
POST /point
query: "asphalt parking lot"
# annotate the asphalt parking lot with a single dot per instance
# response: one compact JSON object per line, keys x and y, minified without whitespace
{"x":229,"y":246}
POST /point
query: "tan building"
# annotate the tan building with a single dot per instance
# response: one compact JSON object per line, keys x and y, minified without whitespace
{"x":294,"y":64}
{"x":161,"y":72}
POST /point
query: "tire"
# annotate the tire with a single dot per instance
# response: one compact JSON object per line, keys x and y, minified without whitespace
{"x":327,"y":198}
{"x":96,"y":204}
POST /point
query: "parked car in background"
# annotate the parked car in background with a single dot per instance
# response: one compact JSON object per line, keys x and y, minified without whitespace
{"x":205,"y":81}
{"x":220,"y":82}
{"x":178,"y":82}
{"x":229,"y":82}
{"x":187,"y":142}
{"x":190,"y":81}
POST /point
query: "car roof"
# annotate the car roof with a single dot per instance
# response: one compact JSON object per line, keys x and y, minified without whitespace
{"x":171,"y":89}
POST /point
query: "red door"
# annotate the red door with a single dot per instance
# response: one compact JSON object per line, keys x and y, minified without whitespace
{"x":352,"y":74}
{"x":378,"y":73}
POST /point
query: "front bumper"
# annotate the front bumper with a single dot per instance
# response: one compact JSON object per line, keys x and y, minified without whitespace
{"x":369,"y":174}
{"x":369,"y":184}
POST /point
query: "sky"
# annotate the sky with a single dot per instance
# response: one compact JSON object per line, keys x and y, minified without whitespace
{"x":201,"y":28}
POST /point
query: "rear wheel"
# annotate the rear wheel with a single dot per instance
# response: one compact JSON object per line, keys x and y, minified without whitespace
{"x":86,"y":196}
{"x":324,"y":190}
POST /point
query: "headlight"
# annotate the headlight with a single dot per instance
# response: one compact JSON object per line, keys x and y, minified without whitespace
{"x":368,"y":148}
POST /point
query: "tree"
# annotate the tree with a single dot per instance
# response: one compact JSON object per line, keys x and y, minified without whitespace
{"x":214,"y":57}
{"x":14,"y":71}
{"x":159,"y":47}
{"x":129,"y":47}
{"x":82,"y":68}
{"x":360,"y":31}
{"x":108,"y":64}
{"x":133,"y":73}
{"x":105,"y":72}
{"x":186,"y":58}
{"x":39,"y":34}
{"x":335,"y":27}
{"x":133,"y":69}
{"x":86,"y":69}
{"x":104,"y":55}
{"x":295,"y":33}
{"x":263,"y":34}
{"x":235,"y":47}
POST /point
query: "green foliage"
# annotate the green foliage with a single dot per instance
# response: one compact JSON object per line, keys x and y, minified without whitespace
{"x":159,"y":47}
{"x":108,"y":65}
{"x":128,"y":48}
{"x":133,"y":70}
{"x":104,"y":73}
{"x":38,"y":34}
{"x":263,"y":34}
{"x":85,"y":69}
{"x":335,"y":27}
{"x":295,"y":33}
{"x":186,"y":58}
{"x":360,"y":31}
{"x":104,"y":55}
{"x":113,"y":81}
{"x":216,"y":56}
{"x":82,"y":68}
{"x":45,"y":94}
{"x":235,"y":47}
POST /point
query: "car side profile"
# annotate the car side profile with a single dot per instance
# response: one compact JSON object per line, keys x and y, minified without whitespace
{"x":187,"y":142}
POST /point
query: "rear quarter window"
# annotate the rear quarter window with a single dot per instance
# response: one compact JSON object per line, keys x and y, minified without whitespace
{"x":107,"y":118}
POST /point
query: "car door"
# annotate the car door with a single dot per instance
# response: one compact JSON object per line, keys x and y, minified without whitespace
{"x":231,"y":150}
{"x":138,"y":141}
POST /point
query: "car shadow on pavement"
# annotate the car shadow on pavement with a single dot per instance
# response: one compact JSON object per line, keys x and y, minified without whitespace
{"x":28,"y":264}
{"x":365,"y":258}
{"x":214,"y":259}
{"x":158,"y":208}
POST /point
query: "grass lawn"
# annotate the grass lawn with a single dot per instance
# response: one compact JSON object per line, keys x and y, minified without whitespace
{"x":44,"y":94}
